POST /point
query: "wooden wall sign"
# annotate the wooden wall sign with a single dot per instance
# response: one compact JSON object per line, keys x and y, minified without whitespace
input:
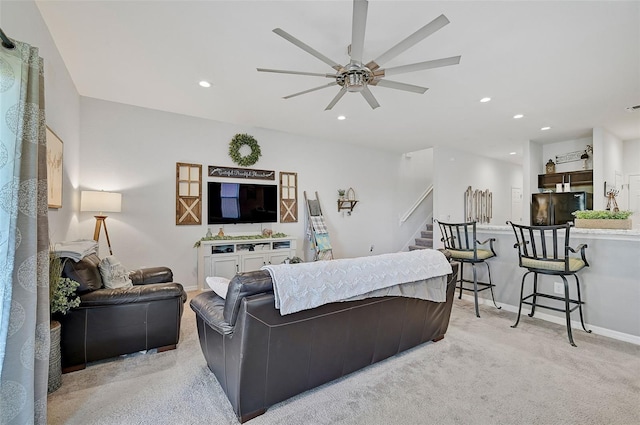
{"x":188,"y":193}
{"x":241,"y":173}
{"x":288,"y":197}
{"x":569,"y":157}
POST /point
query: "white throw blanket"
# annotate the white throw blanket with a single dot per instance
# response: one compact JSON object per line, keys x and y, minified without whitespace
{"x":76,"y":250}
{"x":309,"y":285}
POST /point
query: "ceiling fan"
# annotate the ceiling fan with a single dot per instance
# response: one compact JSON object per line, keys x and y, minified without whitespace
{"x":357,"y":76}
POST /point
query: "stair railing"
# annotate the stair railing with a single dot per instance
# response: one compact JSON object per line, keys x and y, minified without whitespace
{"x":419,"y":201}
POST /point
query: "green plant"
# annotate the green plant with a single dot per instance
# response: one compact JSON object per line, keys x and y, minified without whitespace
{"x":602,"y":214}
{"x":64,"y":298}
{"x":238,"y":238}
{"x":341,"y":192}
{"x":62,"y":290}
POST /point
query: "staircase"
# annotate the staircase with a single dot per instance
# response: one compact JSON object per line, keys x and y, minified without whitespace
{"x":425,"y":240}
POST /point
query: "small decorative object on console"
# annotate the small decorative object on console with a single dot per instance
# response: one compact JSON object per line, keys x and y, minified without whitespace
{"x":267,"y":232}
{"x":221,"y":232}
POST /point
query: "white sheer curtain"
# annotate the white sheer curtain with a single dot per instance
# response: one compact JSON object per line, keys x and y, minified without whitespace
{"x":24,"y":258}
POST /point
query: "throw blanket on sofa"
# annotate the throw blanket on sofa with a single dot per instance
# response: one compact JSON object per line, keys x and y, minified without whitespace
{"x":309,"y":285}
{"x":76,"y":250}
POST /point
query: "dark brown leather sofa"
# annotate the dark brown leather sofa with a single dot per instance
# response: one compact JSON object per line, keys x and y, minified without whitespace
{"x":261,"y":358}
{"x":112,"y":322}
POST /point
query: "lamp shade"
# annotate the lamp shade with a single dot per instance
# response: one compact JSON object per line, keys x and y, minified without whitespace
{"x":100,"y":201}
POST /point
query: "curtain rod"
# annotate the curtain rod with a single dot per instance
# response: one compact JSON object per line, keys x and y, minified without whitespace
{"x":5,"y":40}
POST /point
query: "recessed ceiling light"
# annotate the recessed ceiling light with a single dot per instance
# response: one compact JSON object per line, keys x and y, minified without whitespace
{"x":485,"y":99}
{"x":545,"y":128}
{"x":512,"y":153}
{"x":205,"y":84}
{"x":518,"y":116}
{"x":342,"y":117}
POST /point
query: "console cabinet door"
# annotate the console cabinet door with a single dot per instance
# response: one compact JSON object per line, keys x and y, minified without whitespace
{"x":223,"y":266}
{"x":279,"y":257}
{"x":251,"y":262}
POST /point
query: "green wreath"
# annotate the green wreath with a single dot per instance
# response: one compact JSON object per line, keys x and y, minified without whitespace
{"x":237,"y":142}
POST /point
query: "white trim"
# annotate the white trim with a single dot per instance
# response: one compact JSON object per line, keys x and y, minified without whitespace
{"x":422,"y":197}
{"x":633,"y":339}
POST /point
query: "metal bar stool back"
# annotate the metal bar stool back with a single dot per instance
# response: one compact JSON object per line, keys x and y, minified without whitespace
{"x":546,"y":250}
{"x":461,"y":241}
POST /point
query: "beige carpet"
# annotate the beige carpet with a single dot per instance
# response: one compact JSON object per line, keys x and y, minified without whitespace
{"x":482,"y":372}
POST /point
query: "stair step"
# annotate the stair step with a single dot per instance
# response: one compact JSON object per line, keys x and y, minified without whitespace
{"x":414,"y":247}
{"x":430,"y":227}
{"x":427,"y":234}
{"x":426,"y":242}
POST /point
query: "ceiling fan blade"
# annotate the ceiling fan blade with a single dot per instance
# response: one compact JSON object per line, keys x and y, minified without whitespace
{"x":420,"y":66}
{"x":335,"y":100}
{"x":410,"y":41}
{"x":283,"y":71}
{"x":357,"y":29}
{"x":333,"y":83}
{"x":399,"y":86}
{"x":368,"y":96}
{"x":307,"y":48}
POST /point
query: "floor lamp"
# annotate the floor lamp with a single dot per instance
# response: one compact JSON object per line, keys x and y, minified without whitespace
{"x":99,"y":201}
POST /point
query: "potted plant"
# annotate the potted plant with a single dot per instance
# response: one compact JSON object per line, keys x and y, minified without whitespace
{"x":603,"y":219}
{"x":62,"y":298}
{"x":341,"y":193}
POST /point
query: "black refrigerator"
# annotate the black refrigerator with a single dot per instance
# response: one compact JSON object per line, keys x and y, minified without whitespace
{"x":556,"y":208}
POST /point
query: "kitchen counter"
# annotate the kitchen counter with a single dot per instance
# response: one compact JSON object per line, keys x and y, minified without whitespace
{"x":633,"y":234}
{"x":610,"y":285}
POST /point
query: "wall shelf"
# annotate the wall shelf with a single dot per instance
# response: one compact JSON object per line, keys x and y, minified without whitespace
{"x":346,"y":204}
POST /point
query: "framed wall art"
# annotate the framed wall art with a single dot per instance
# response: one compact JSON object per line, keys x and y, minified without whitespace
{"x":54,"y":169}
{"x":188,"y":193}
{"x":288,"y":197}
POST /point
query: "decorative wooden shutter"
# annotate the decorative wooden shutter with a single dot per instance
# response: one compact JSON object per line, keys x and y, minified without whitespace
{"x":288,"y":197}
{"x":188,"y":193}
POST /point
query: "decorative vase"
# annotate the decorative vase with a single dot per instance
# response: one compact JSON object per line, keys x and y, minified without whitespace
{"x":209,"y":234}
{"x":55,"y":364}
{"x":220,"y":232}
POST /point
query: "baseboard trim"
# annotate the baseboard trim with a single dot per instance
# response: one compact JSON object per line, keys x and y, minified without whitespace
{"x":633,"y":339}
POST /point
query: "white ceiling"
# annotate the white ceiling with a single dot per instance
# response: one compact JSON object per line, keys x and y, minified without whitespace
{"x":565,"y":64}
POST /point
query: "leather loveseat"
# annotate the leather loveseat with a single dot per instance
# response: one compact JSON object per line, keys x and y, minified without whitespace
{"x":112,"y":322}
{"x":261,"y":358}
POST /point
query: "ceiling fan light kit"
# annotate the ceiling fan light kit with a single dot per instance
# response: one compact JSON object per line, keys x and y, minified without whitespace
{"x":355,"y":77}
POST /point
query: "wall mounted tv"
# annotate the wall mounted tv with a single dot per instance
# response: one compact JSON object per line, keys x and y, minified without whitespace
{"x":241,"y":203}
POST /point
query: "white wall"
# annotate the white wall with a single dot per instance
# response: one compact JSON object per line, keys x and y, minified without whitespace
{"x":608,"y":157}
{"x":630,"y":166}
{"x":22,"y":21}
{"x":549,"y":151}
{"x":134,"y":151}
{"x":415,"y":177}
{"x":454,"y":171}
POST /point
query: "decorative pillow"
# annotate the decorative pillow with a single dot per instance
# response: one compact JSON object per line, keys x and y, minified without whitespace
{"x":114,"y":275}
{"x":219,"y":285}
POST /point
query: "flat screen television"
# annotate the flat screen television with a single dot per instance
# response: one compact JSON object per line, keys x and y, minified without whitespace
{"x":241,"y":203}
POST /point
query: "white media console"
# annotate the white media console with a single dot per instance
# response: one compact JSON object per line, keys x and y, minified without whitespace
{"x":225,"y":258}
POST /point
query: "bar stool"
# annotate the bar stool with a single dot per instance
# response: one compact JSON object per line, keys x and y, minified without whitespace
{"x":460,"y":240}
{"x":545,"y":250}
